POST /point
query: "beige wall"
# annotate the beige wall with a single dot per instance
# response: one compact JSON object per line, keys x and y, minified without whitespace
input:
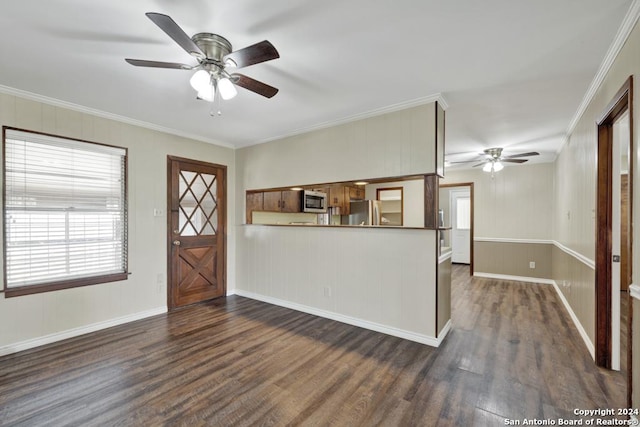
{"x":515,"y":204}
{"x":394,"y":144}
{"x":575,"y":176}
{"x":512,"y":218}
{"x":444,"y":293}
{"x":35,"y":316}
{"x":575,"y":278}
{"x":379,"y":278}
{"x":513,"y":258}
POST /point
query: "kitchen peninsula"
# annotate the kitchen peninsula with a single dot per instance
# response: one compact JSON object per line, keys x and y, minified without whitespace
{"x":392,"y":279}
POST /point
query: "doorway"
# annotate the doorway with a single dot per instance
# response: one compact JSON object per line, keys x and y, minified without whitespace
{"x":456,"y":205}
{"x":614,"y":204}
{"x":196,"y":234}
{"x":460,"y":208}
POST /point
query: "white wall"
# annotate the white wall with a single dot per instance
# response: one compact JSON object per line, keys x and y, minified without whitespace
{"x":412,"y":200}
{"x":35,"y":317}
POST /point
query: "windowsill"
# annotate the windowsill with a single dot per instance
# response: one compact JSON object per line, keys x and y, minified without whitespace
{"x":68,"y":284}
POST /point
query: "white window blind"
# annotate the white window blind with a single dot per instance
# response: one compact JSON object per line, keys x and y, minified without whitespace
{"x":65,"y":209}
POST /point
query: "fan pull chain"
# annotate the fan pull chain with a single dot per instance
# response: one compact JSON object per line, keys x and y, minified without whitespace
{"x":216,"y":102}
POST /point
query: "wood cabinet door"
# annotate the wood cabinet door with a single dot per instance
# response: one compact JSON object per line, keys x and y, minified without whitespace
{"x":291,"y":201}
{"x":254,"y":203}
{"x":272,"y":201}
{"x":336,"y":196}
{"x":197,"y":231}
{"x":357,"y":193}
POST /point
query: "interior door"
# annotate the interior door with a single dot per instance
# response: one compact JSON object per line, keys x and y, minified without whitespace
{"x":197,"y":230}
{"x":460,"y":226}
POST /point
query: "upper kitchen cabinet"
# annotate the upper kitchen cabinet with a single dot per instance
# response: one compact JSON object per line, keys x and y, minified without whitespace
{"x":282,"y":201}
{"x":285,"y":201}
{"x":255,"y":202}
{"x":340,"y":195}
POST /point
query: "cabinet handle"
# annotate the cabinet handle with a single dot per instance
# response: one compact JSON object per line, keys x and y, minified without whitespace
{"x":283,"y":202}
{"x":278,"y":203}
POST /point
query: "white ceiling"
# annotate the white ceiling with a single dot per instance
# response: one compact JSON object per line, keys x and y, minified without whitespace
{"x":513,"y":72}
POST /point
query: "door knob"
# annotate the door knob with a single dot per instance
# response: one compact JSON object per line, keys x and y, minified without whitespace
{"x":176,"y":242}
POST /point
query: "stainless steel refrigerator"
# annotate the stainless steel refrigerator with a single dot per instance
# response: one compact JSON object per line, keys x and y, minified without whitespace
{"x":364,"y":212}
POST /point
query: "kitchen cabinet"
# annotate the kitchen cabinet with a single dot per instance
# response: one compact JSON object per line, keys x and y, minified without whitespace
{"x":281,"y":201}
{"x":355,"y":193}
{"x":340,"y":195}
{"x":336,"y":198}
{"x":255,"y":202}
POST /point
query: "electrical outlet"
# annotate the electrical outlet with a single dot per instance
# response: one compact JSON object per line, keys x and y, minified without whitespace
{"x":158,"y":212}
{"x":532,"y":264}
{"x":160,"y":278}
{"x":327,"y":291}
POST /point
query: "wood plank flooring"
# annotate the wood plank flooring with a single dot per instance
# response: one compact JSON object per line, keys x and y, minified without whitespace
{"x":513,"y":353}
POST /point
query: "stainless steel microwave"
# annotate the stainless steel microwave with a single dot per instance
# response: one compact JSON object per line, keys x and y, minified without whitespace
{"x":314,"y":201}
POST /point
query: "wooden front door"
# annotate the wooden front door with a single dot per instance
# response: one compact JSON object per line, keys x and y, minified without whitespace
{"x":196,"y":231}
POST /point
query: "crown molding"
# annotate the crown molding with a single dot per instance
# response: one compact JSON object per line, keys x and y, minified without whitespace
{"x":372,"y":113}
{"x":627,"y":25}
{"x":105,"y":115}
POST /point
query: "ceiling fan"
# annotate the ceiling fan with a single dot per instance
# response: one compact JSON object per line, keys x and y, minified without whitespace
{"x":493,"y":159}
{"x":214,"y":54}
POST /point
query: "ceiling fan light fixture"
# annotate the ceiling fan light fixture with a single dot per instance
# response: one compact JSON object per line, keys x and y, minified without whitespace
{"x":487,"y":167}
{"x":226,"y":88}
{"x":207,"y":95}
{"x":498,"y":166}
{"x":201,"y":81}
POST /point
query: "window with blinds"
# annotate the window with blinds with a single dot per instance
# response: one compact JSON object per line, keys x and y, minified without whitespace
{"x":65,"y":212}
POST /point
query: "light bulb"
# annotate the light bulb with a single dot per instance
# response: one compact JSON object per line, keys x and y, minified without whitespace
{"x":201,"y":81}
{"x":207,"y":94}
{"x":497,"y":166}
{"x":487,"y":166}
{"x":226,"y":88}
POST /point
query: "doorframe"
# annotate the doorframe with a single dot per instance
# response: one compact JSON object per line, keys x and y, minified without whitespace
{"x":222,"y":217}
{"x":470,"y":185}
{"x":619,"y":104}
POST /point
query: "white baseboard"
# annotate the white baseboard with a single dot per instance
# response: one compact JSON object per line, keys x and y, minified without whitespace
{"x":400,"y":333}
{"x":576,"y":322}
{"x":70,"y":333}
{"x":515,"y":278}
{"x":444,"y":331}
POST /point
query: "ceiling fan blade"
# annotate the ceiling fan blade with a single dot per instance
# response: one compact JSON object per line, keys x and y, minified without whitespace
{"x":254,"y":54}
{"x":532,"y":153}
{"x":158,"y":64}
{"x":174,"y":31}
{"x":507,"y":160}
{"x":479,"y":164}
{"x":254,"y":85}
{"x":465,"y":161}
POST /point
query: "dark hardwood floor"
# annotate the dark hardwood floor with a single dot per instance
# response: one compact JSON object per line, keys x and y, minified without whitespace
{"x":513,"y":353}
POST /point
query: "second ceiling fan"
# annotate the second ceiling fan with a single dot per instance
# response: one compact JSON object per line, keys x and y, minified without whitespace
{"x":214,"y":54}
{"x":493,"y":159}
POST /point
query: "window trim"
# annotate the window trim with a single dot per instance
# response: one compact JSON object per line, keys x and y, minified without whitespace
{"x":65,"y":283}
